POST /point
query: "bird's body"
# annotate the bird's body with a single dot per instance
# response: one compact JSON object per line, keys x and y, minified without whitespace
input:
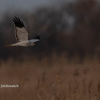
{"x":25,"y":43}
{"x":21,"y":35}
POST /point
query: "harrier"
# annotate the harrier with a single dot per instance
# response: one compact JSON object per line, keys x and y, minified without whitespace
{"x":21,"y":35}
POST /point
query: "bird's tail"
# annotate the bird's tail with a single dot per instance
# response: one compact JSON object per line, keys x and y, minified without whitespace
{"x":7,"y":46}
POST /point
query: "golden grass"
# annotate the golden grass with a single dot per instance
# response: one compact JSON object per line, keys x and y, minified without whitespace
{"x":50,"y":80}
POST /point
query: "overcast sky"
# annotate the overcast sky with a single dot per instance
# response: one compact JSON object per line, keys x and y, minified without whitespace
{"x":28,"y":5}
{"x":12,"y":5}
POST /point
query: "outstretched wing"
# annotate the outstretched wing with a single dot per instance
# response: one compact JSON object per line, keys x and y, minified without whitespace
{"x":20,"y":31}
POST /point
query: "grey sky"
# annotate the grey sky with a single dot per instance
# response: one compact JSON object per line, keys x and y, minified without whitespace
{"x":11,"y":5}
{"x":6,"y":5}
{"x":28,"y":5}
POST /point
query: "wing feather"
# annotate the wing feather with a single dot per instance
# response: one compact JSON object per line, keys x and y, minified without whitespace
{"x":21,"y":33}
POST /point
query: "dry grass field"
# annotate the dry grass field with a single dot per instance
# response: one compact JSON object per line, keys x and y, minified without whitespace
{"x":46,"y":79}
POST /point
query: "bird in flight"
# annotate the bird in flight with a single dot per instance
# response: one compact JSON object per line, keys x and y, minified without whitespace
{"x":21,"y":35}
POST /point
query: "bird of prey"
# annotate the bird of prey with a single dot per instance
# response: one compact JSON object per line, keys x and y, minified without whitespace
{"x":21,"y":35}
